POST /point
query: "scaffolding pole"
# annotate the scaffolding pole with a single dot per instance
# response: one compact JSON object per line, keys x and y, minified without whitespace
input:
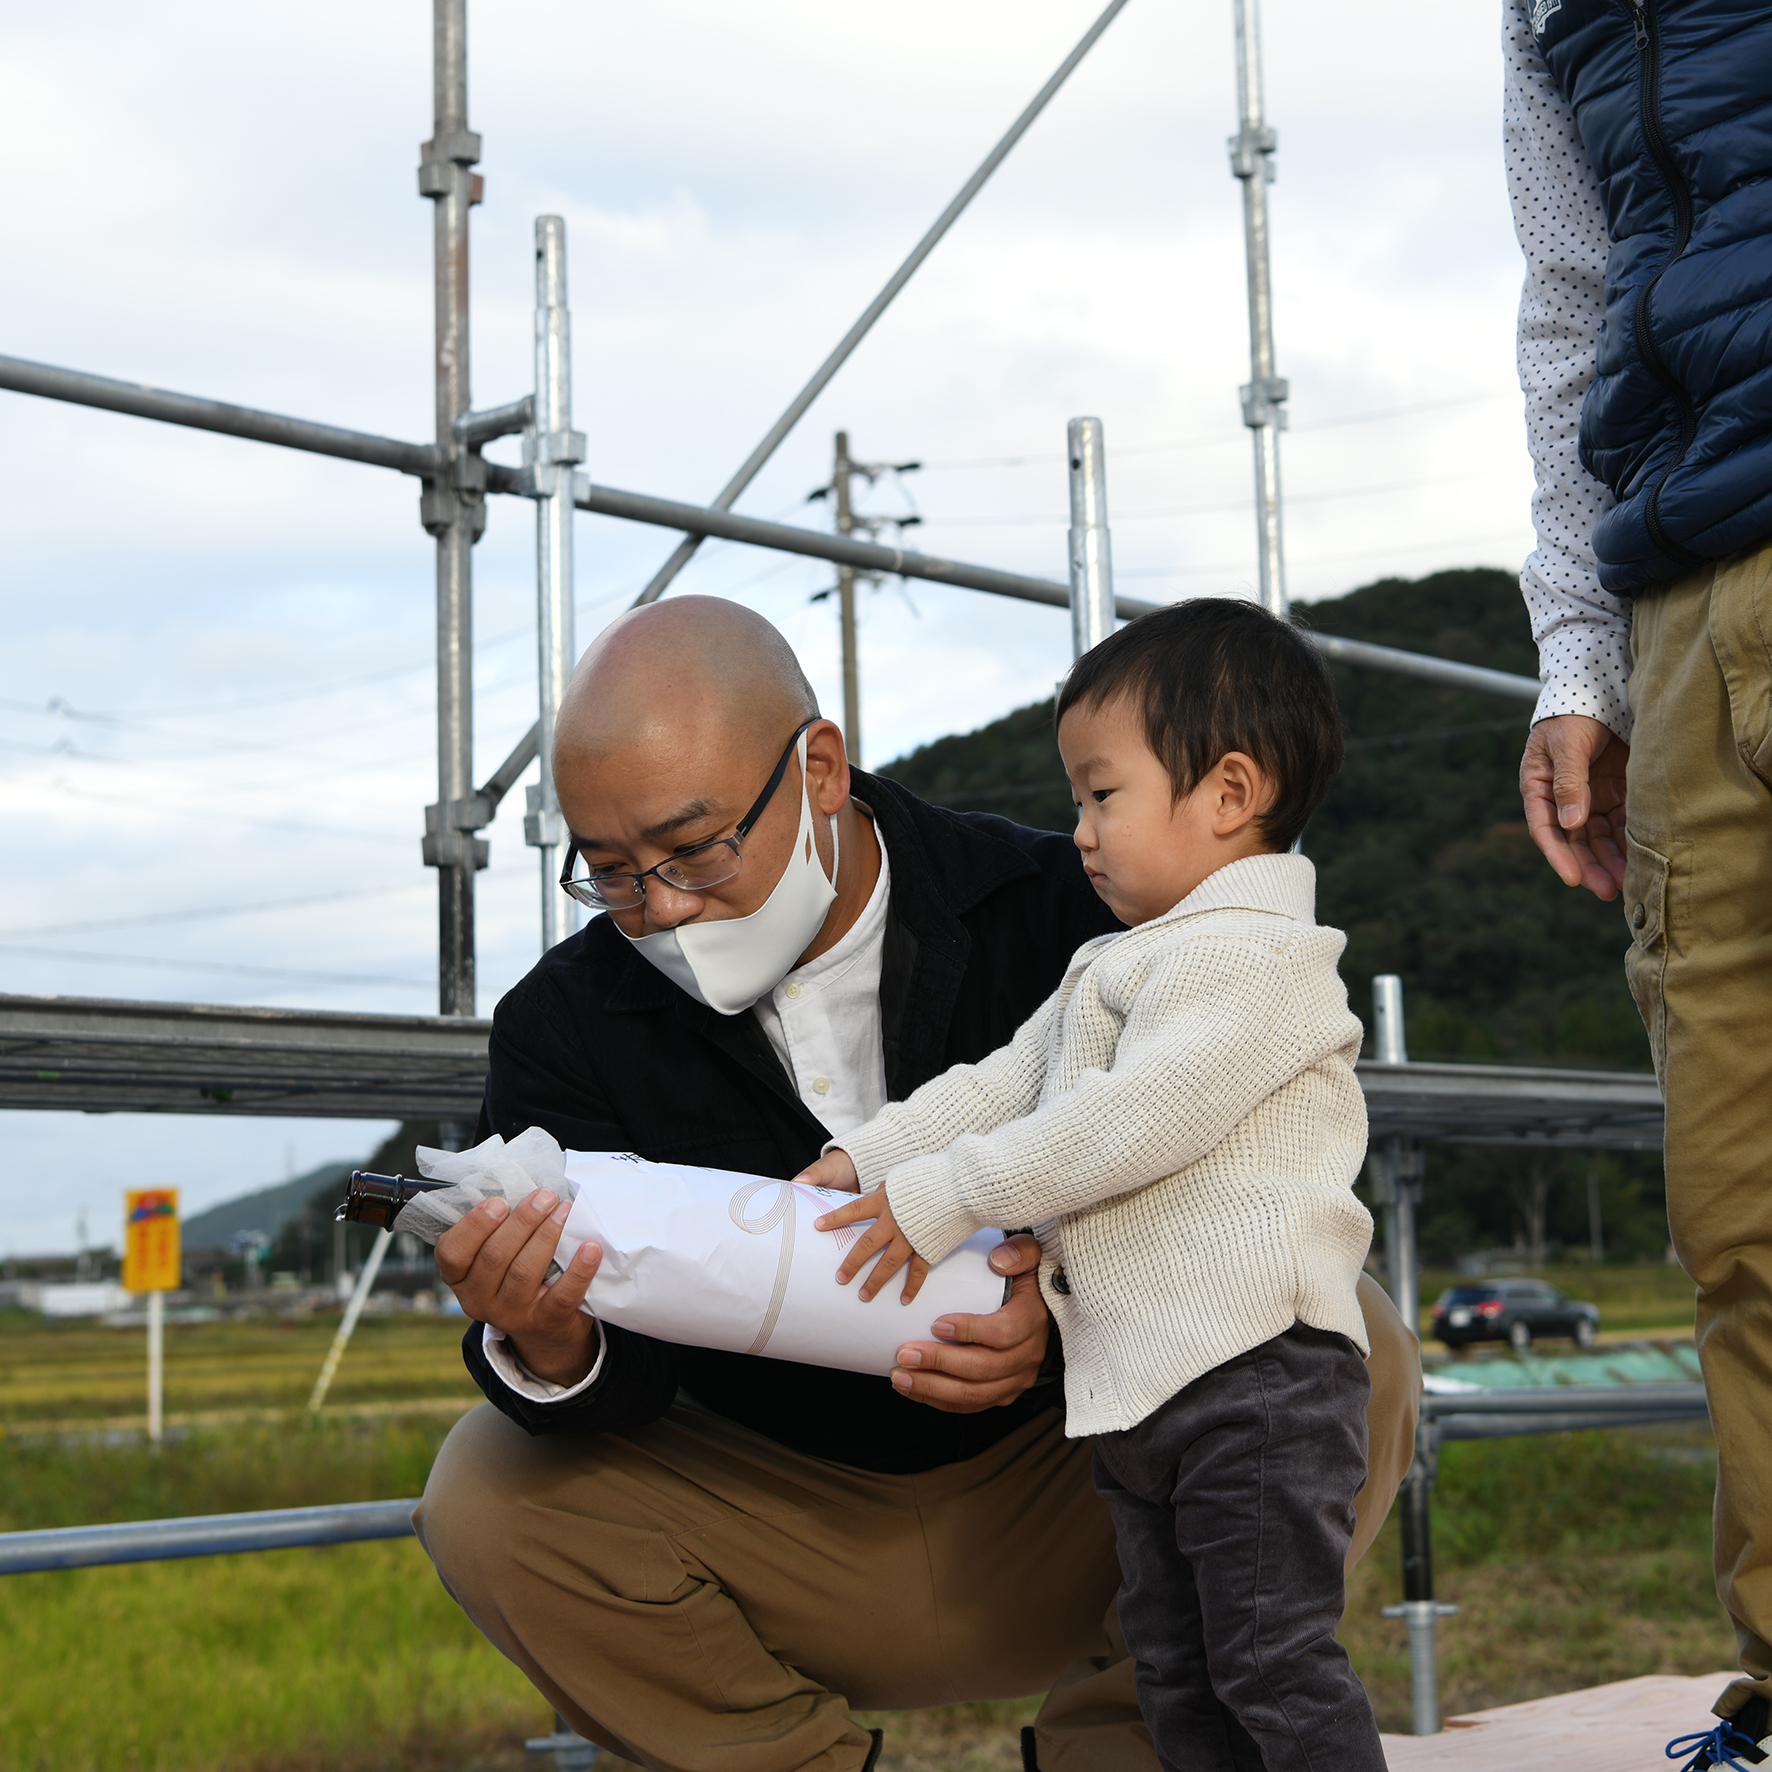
{"x":454,"y":511}
{"x":551,"y":448}
{"x":1264,"y":396}
{"x":1092,"y":568}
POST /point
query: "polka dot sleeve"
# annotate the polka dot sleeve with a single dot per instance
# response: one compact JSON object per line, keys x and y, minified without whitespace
{"x":1583,"y":632}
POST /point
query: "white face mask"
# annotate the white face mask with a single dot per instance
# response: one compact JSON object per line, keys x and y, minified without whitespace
{"x":729,"y":962}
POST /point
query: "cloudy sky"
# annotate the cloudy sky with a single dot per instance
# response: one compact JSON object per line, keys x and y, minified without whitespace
{"x":216,"y":688}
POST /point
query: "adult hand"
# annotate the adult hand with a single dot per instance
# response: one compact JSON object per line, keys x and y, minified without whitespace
{"x":1572,"y":782}
{"x":496,"y":1260}
{"x":833,"y":1170}
{"x":983,"y":1362}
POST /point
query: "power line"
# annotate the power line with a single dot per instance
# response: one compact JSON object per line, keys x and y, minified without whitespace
{"x":1207,"y":439}
{"x":1243,"y":566}
{"x":1240,"y":504}
{"x":413,"y":984}
{"x":217,"y":910}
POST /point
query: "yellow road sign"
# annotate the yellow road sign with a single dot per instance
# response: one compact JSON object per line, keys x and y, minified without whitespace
{"x":150,"y":1240}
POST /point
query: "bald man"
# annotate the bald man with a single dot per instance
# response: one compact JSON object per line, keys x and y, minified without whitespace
{"x":705,"y":1560}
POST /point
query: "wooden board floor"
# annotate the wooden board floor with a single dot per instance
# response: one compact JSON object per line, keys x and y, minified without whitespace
{"x":1623,"y":1727}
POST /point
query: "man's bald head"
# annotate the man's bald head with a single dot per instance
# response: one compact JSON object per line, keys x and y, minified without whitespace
{"x":690,"y":671}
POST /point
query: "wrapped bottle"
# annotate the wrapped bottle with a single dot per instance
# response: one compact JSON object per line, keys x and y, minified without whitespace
{"x":378,"y":1199}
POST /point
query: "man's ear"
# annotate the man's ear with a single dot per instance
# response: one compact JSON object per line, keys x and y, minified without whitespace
{"x":827,"y":768}
{"x":1244,"y":792}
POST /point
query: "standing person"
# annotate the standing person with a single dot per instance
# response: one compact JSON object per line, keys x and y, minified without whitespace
{"x":1181,"y":1124}
{"x":681,"y":1548}
{"x":1640,"y":170}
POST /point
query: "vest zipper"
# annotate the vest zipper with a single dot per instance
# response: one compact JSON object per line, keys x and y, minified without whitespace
{"x":1648,"y":41}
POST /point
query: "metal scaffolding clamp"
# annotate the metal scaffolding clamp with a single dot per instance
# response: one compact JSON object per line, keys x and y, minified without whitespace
{"x":542,"y":829}
{"x":439,"y":157}
{"x":449,"y":840}
{"x":1252,"y":150}
{"x":1264,"y":401}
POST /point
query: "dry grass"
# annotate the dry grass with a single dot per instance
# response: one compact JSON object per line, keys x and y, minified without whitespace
{"x":63,"y":1372}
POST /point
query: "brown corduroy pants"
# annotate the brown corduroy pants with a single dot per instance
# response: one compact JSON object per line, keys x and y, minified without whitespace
{"x":700,"y":1599}
{"x":1698,"y":901}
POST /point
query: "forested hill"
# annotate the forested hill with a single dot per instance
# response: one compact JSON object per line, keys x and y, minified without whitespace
{"x":1421,"y":850}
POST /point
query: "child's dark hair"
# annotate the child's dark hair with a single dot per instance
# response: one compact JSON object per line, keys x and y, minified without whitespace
{"x":1217,"y":675}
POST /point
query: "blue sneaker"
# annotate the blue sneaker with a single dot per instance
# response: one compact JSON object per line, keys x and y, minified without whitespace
{"x":1738,"y":1742}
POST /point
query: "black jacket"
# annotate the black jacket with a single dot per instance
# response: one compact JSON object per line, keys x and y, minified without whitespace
{"x":601,"y":1049}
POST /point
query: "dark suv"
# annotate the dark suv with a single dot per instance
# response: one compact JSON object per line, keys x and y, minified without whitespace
{"x":1514,"y":1311}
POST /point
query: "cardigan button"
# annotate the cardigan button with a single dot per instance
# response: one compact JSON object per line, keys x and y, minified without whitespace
{"x":1060,"y":1284}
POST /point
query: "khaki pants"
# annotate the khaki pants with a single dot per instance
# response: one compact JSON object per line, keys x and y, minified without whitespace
{"x":1698,"y":899}
{"x":700,"y":1599}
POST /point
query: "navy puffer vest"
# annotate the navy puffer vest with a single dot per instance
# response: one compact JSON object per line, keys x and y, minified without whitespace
{"x":1674,"y":102}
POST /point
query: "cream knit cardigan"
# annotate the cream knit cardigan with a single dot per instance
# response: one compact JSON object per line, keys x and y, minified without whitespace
{"x":1180,"y":1124}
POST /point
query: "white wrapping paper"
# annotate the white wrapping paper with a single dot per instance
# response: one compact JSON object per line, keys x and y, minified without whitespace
{"x":718,"y":1259}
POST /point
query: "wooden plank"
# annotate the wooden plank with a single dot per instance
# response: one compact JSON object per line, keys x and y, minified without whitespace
{"x":1623,"y":1727}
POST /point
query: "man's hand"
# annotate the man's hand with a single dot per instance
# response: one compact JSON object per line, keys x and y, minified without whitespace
{"x":495,"y":1261}
{"x":983,"y":1362}
{"x":1572,"y":782}
{"x":833,"y":1170}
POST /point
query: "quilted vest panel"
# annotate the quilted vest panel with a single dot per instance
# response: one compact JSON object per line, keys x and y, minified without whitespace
{"x":1673,"y":99}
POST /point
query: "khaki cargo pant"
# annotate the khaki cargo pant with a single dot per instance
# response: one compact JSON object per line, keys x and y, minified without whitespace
{"x":700,"y":1599}
{"x":1698,"y":899}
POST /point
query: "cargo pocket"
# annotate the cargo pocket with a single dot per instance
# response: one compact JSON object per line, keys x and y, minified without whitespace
{"x":1645,"y":965}
{"x":1741,"y":635}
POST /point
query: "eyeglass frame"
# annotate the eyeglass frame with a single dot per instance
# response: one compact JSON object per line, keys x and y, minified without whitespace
{"x":735,"y":843}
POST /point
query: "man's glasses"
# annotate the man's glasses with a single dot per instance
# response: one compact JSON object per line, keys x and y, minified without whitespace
{"x":694,"y":870}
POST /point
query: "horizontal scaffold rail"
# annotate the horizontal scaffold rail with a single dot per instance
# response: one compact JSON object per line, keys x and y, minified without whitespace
{"x":1501,"y":1414}
{"x":192,"y":410}
{"x":203,"y":1535}
{"x":97,"y":1055}
{"x":424,"y":459}
{"x":1513,"y":1104}
{"x":1458,"y":1416}
{"x":103,"y":1056}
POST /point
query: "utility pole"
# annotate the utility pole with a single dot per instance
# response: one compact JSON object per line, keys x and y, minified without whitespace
{"x":846,"y":602}
{"x":453,"y":509}
{"x":1264,"y":410}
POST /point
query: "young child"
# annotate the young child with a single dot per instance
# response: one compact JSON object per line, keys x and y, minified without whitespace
{"x":1181,"y":1125}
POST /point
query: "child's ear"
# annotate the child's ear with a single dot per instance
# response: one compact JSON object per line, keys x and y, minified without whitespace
{"x":1243,"y":793}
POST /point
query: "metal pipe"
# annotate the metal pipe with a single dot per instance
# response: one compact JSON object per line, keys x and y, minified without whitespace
{"x":1571,"y":1399}
{"x":1419,"y":664}
{"x":840,"y":483}
{"x":551,"y":448}
{"x":141,"y":401}
{"x":1390,"y":1044}
{"x":1419,"y":1610}
{"x":1092,"y":569}
{"x":475,"y":428}
{"x":348,"y":1322}
{"x":1252,"y":162}
{"x":869,"y":556}
{"x":881,"y":302}
{"x":204,"y":1535}
{"x":454,"y":510}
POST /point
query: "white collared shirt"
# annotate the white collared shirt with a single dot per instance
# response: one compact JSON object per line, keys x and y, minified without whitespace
{"x":823,"y":1020}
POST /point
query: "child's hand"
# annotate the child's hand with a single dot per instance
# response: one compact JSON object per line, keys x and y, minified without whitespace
{"x":833,"y":1170}
{"x":882,"y":1234}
